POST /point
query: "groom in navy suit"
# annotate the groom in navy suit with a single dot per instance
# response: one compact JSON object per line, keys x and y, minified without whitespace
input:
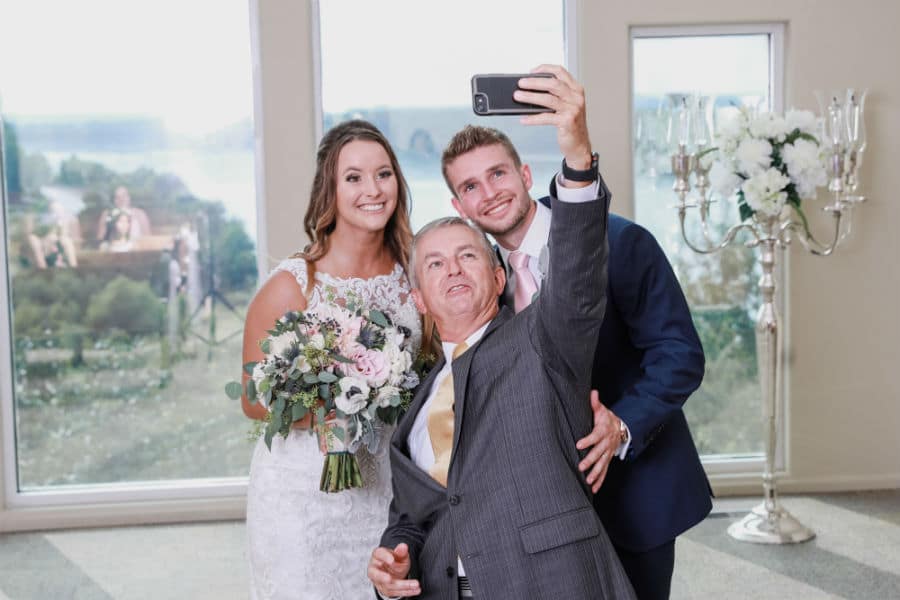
{"x":644,"y":468}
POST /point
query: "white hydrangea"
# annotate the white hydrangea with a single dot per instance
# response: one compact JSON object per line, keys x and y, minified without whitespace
{"x":753,"y":155}
{"x":764,"y":191}
{"x":730,"y":132}
{"x":768,"y":125}
{"x":723,"y":180}
{"x":803,"y":120}
{"x":805,"y":166}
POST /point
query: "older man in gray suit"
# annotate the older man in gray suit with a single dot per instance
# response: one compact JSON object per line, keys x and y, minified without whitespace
{"x":488,"y":498}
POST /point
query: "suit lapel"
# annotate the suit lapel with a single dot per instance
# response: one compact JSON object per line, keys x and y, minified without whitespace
{"x":461,"y":368}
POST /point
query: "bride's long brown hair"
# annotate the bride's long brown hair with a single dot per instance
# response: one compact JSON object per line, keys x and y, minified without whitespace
{"x":319,"y":222}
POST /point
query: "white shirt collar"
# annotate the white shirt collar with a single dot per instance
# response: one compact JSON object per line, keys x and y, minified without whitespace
{"x":535,"y":238}
{"x":449,"y":347}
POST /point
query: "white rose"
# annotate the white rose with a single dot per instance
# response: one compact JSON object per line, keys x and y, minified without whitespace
{"x":400,"y":361}
{"x":753,"y":156}
{"x":302,"y":364}
{"x":353,"y":397}
{"x":383,"y":399}
{"x":723,"y":180}
{"x":317,"y":341}
{"x":764,"y":192}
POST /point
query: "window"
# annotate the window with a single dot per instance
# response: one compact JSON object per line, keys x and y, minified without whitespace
{"x":717,"y":70}
{"x":407,"y":69}
{"x":130,"y":240}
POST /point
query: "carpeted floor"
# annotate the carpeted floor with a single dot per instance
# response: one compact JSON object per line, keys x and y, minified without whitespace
{"x":855,"y":555}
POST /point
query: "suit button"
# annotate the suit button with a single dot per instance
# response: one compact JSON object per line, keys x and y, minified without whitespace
{"x":454,"y":500}
{"x":451,"y":572}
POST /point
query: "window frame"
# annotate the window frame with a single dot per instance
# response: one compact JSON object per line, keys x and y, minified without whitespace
{"x":738,"y":469}
{"x":131,"y":502}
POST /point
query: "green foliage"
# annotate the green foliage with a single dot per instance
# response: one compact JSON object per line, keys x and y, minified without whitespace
{"x":125,"y":305}
{"x":235,"y":257}
{"x":36,"y":172}
{"x":51,"y":301}
{"x":12,"y":155}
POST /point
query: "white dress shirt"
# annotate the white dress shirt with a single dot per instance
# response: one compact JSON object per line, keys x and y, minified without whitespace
{"x":420,"y":449}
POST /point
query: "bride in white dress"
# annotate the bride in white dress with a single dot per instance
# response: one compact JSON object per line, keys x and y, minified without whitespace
{"x":305,"y":543}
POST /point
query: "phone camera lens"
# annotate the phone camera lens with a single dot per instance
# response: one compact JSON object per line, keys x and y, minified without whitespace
{"x":480,"y":103}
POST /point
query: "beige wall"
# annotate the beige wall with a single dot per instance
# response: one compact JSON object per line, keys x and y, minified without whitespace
{"x":843,"y":391}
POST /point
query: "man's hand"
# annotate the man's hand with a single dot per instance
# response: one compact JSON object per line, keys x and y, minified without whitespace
{"x":565,"y":96}
{"x":388,"y":570}
{"x":605,"y":439}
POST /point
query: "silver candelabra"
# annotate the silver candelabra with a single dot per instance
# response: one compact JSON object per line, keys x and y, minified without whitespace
{"x":841,"y":128}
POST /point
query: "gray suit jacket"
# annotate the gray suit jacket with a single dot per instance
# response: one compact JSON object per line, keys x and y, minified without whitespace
{"x":516,"y":509}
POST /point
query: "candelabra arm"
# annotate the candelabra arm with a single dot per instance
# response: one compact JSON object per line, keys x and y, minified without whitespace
{"x":713,"y":247}
{"x":807,"y":239}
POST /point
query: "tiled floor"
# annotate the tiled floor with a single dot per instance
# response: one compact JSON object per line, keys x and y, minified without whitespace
{"x":856,"y":555}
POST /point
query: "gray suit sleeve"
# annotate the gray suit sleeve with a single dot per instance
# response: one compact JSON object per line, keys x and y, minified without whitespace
{"x":569,"y":309}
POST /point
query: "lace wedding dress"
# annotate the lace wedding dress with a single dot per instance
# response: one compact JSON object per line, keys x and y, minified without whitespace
{"x":305,"y":543}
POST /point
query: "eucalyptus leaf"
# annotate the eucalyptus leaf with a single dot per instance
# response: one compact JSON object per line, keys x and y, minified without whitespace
{"x":298,"y":411}
{"x":251,"y":391}
{"x":378,"y":318}
{"x":342,"y":359}
{"x":339,"y":433}
{"x":320,"y":415}
{"x":248,"y":368}
{"x":233,"y":389}
{"x":324,"y":391}
{"x":326,"y":377}
{"x":265,"y":346}
{"x":310,"y":378}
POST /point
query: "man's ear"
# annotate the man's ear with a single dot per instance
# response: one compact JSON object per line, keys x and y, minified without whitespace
{"x":526,"y":177}
{"x":459,"y":208}
{"x":420,"y":303}
{"x":500,"y":279}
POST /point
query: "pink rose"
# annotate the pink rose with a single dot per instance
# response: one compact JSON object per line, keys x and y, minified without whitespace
{"x":371,"y":366}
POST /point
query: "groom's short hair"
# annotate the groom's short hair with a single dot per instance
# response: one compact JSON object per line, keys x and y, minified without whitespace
{"x":470,"y":138}
{"x":440,"y":224}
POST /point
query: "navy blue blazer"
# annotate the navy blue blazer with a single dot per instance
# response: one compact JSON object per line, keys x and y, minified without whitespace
{"x":649,"y":359}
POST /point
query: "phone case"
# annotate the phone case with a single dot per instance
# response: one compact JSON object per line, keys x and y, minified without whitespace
{"x":492,"y":94}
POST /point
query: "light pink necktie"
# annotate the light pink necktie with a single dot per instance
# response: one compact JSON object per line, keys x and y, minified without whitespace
{"x":526,"y":286}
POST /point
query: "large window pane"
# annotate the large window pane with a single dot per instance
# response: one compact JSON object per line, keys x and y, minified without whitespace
{"x":406,"y":66}
{"x":723,"y":72}
{"x":131,"y":220}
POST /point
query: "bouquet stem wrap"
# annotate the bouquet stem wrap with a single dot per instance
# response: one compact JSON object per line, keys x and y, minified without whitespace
{"x":340,"y":471}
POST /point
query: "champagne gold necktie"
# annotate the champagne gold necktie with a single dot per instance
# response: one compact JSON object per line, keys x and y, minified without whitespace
{"x":441,"y":423}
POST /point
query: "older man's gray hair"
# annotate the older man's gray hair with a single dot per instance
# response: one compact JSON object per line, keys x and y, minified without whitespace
{"x":440,"y":224}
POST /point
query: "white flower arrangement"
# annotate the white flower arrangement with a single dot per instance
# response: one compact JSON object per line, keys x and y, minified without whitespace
{"x":768,"y":161}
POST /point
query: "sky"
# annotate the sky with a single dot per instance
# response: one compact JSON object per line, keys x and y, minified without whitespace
{"x":187,"y":62}
{"x":428,"y":53}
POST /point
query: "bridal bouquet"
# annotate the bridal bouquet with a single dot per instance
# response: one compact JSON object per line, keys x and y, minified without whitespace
{"x":350,"y":367}
{"x":770,"y":161}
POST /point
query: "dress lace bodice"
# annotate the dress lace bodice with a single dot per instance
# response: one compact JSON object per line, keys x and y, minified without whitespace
{"x":304,"y":543}
{"x":388,"y":293}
